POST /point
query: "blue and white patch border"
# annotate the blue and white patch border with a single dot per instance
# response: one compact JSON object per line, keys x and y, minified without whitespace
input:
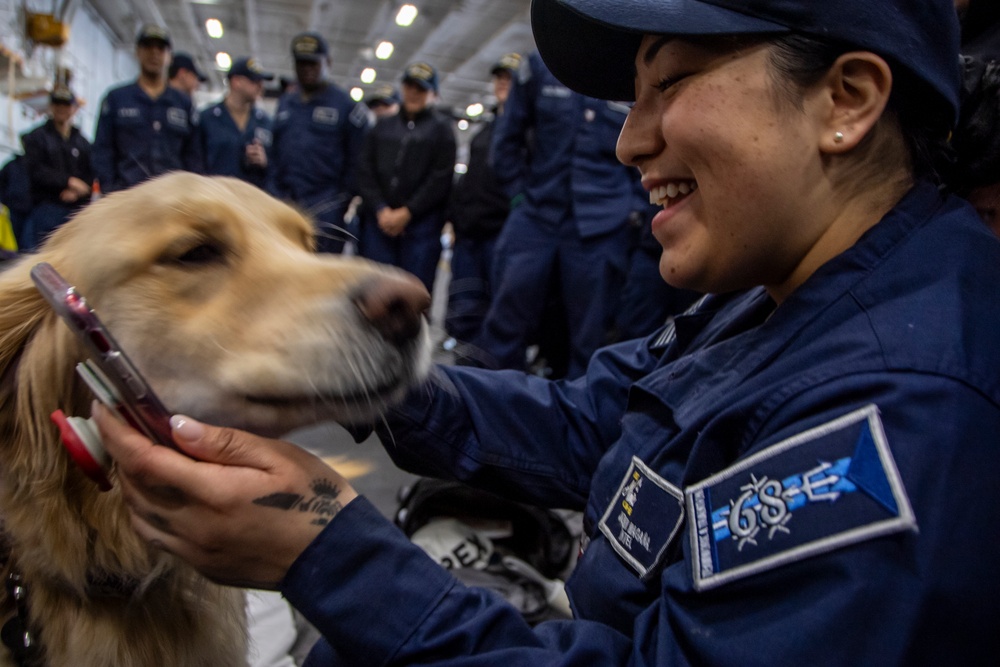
{"x":674,"y":491}
{"x":702,"y":563}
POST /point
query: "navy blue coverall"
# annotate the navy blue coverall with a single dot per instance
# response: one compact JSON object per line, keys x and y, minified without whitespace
{"x":314,"y":159}
{"x":554,"y":152}
{"x":647,"y":301}
{"x":811,"y":483}
{"x":138,"y":137}
{"x":224,"y":145}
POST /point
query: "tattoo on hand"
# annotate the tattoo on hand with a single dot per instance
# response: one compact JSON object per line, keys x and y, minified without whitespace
{"x":324,"y":503}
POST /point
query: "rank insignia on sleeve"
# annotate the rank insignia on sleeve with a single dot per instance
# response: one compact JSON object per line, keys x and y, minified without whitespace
{"x":820,"y":490}
{"x":643,"y":517}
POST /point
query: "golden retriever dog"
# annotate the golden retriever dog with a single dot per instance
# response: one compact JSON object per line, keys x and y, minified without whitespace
{"x":214,"y":292}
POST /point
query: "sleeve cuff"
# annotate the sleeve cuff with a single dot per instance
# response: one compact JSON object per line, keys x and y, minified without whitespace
{"x":361,"y":573}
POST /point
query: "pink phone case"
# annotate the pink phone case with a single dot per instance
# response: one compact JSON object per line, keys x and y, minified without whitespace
{"x":116,"y":381}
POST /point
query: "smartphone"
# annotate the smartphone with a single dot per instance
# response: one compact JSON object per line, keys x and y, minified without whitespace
{"x":108,"y":372}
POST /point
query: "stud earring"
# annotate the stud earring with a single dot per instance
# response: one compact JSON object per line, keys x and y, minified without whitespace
{"x":838,"y":137}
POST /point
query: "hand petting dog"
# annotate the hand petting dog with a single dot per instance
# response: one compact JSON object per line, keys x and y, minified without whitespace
{"x":240,"y":510}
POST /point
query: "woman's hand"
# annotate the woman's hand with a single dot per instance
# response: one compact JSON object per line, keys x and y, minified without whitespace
{"x":241,"y":509}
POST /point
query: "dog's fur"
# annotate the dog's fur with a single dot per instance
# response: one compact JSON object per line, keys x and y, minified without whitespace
{"x":212,"y":289}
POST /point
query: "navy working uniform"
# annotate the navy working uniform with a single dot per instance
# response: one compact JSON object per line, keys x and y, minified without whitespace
{"x":224,"y":143}
{"x":314,"y":159}
{"x":554,"y":152}
{"x":812,"y":482}
{"x":647,"y":301}
{"x":139,"y":137}
{"x":50,"y":160}
{"x":408,"y":160}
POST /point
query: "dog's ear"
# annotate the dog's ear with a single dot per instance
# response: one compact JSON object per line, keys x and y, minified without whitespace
{"x":37,"y":359}
{"x":22,"y":309}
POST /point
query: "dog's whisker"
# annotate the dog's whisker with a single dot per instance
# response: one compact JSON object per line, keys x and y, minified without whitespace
{"x":324,"y":206}
{"x":336,"y":237}
{"x":343,"y":230}
{"x":388,"y":429}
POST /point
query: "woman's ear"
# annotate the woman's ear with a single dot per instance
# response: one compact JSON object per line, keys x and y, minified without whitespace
{"x":858,"y":85}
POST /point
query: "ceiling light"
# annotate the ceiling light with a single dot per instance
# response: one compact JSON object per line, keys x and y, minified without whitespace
{"x":474,"y":110}
{"x":223,"y":60}
{"x":406,"y":15}
{"x":214,"y":28}
{"x":367,"y":75}
{"x":357,"y":94}
{"x":383,"y":50}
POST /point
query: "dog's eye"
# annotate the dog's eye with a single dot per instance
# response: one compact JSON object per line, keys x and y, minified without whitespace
{"x":205,"y":253}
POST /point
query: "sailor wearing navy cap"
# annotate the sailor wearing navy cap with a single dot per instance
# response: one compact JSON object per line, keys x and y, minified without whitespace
{"x":145,"y":128}
{"x":235,"y":133}
{"x":405,"y":174}
{"x":57,"y":158}
{"x":801,"y":469}
{"x":184,"y":74}
{"x":566,"y":241}
{"x":383,"y":101}
{"x":318,"y":132}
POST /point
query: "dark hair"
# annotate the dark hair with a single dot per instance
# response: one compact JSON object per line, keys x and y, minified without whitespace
{"x":922,"y":116}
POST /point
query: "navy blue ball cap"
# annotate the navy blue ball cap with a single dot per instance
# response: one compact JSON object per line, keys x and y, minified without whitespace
{"x":249,"y":68}
{"x":62,"y":95}
{"x":590,"y":45}
{"x":309,"y":46}
{"x":509,"y":62}
{"x":421,"y":74}
{"x":383,"y":94}
{"x":153,"y":33}
{"x":181,"y":61}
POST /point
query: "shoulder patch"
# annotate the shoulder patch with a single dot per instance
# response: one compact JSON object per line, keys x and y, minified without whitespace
{"x":361,"y":116}
{"x":828,"y":487}
{"x":643,"y":517}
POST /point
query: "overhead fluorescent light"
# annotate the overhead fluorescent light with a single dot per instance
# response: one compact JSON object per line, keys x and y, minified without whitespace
{"x":406,"y":15}
{"x":223,"y":60}
{"x":214,"y":28}
{"x":474,"y":110}
{"x":383,"y":50}
{"x":367,"y":75}
{"x":357,"y":94}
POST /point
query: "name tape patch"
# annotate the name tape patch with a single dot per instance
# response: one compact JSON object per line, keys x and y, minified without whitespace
{"x":177,"y":116}
{"x":830,"y":486}
{"x":326,"y":115}
{"x":643,"y":517}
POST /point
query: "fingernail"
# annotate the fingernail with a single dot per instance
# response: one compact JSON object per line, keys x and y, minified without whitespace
{"x":187,"y":428}
{"x":96,"y":408}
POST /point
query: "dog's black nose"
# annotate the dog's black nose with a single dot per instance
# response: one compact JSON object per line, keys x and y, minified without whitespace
{"x":395,"y":305}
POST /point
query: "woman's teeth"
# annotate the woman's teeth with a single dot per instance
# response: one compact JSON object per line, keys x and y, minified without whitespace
{"x":662,"y":195}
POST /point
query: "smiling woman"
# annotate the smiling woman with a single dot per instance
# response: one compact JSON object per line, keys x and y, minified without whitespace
{"x":787,"y":465}
{"x":706,"y":109}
